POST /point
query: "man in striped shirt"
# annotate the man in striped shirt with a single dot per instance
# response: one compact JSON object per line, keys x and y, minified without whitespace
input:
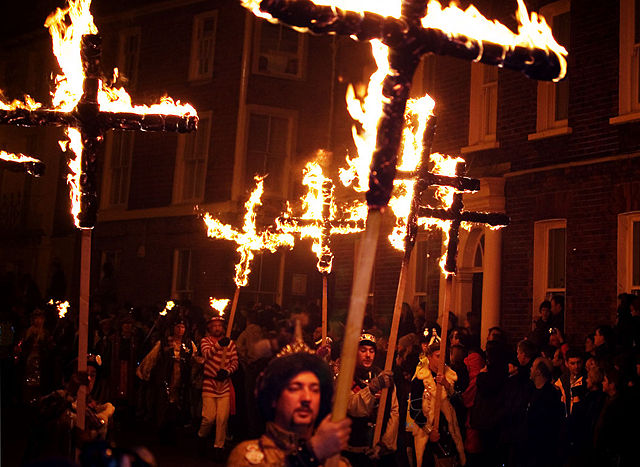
{"x":220,"y":361}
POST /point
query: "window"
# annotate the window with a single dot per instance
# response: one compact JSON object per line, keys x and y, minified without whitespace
{"x":120,"y":150}
{"x":192,"y":156}
{"x":549,"y":262}
{"x":483,"y":108}
{"x":129,"y":56}
{"x":264,"y":278}
{"x":629,"y":72}
{"x":553,"y":98}
{"x":181,"y":283}
{"x":278,"y":51}
{"x":269,"y":148}
{"x":203,"y":46}
{"x":629,"y":253}
{"x":111,"y":257}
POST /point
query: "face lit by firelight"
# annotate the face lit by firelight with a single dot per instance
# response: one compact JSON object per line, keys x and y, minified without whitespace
{"x":299,"y":403}
{"x":366,"y":355}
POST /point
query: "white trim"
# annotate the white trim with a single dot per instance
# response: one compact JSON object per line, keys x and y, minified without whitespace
{"x":479,"y":126}
{"x":541,"y":260}
{"x":564,"y":130}
{"x":198,"y":20}
{"x":480,"y":147}
{"x":625,"y":252}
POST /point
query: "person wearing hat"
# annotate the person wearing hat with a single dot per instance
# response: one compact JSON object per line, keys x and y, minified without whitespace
{"x":220,"y":361}
{"x":294,"y":395}
{"x":447,"y":440}
{"x":363,"y":404}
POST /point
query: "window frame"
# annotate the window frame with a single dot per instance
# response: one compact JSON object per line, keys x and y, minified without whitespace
{"x":546,"y":123}
{"x":194,"y":60}
{"x":625,"y":252}
{"x":108,"y":180}
{"x":132,"y":81}
{"x":301,"y":54}
{"x":541,"y":291}
{"x":180,"y":172}
{"x":186,"y":293}
{"x":479,"y":139}
{"x":292,"y":117}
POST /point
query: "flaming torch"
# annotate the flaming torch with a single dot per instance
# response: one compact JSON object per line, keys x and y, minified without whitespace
{"x":218,"y":304}
{"x":248,"y":240}
{"x":410,"y":29}
{"x":61,"y":306}
{"x":319,"y":222}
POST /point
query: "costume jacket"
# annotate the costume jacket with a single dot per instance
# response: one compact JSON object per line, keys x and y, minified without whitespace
{"x":362,"y":408}
{"x":426,"y":410}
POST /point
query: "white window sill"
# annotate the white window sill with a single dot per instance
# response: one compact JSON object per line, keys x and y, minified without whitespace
{"x":625,"y":118}
{"x":481,"y":146}
{"x":565,"y":130}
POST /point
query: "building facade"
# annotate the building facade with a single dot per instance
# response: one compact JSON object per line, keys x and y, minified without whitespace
{"x":560,"y":159}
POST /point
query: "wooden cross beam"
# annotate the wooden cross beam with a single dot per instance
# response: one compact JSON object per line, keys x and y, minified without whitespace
{"x":92,"y":123}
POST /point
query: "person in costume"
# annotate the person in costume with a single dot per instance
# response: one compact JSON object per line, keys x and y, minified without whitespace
{"x":169,"y":365}
{"x":447,"y":440}
{"x":220,"y":361}
{"x":294,"y":396}
{"x":362,"y":408}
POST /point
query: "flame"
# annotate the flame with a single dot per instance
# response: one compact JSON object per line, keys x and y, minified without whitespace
{"x":320,"y":194}
{"x":367,"y":112}
{"x":219,"y":304}
{"x":62,"y":307}
{"x":167,"y":308}
{"x":28,"y":104}
{"x":73,"y":144}
{"x":248,"y":240}
{"x":20,"y":158}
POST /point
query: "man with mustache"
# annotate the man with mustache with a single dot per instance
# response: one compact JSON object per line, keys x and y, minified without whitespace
{"x":294,"y":396}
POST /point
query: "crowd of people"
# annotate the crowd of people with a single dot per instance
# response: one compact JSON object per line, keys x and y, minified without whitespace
{"x":535,"y":401}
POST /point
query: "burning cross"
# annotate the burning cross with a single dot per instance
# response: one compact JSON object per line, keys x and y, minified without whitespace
{"x":87,"y":122}
{"x":319,"y":220}
{"x":248,"y":240}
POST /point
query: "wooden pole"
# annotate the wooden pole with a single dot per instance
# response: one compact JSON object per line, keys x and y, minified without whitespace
{"x":324,"y":308}
{"x":443,"y":347}
{"x":353,"y":327}
{"x":232,"y":313}
{"x":83,"y":322}
{"x":393,"y":339}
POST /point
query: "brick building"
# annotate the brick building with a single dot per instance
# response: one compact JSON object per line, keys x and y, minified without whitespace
{"x":559,"y":159}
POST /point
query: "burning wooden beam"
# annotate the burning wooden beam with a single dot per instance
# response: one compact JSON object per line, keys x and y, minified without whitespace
{"x":21,"y":163}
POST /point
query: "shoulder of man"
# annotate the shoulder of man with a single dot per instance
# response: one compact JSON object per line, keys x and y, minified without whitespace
{"x":247,"y":453}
